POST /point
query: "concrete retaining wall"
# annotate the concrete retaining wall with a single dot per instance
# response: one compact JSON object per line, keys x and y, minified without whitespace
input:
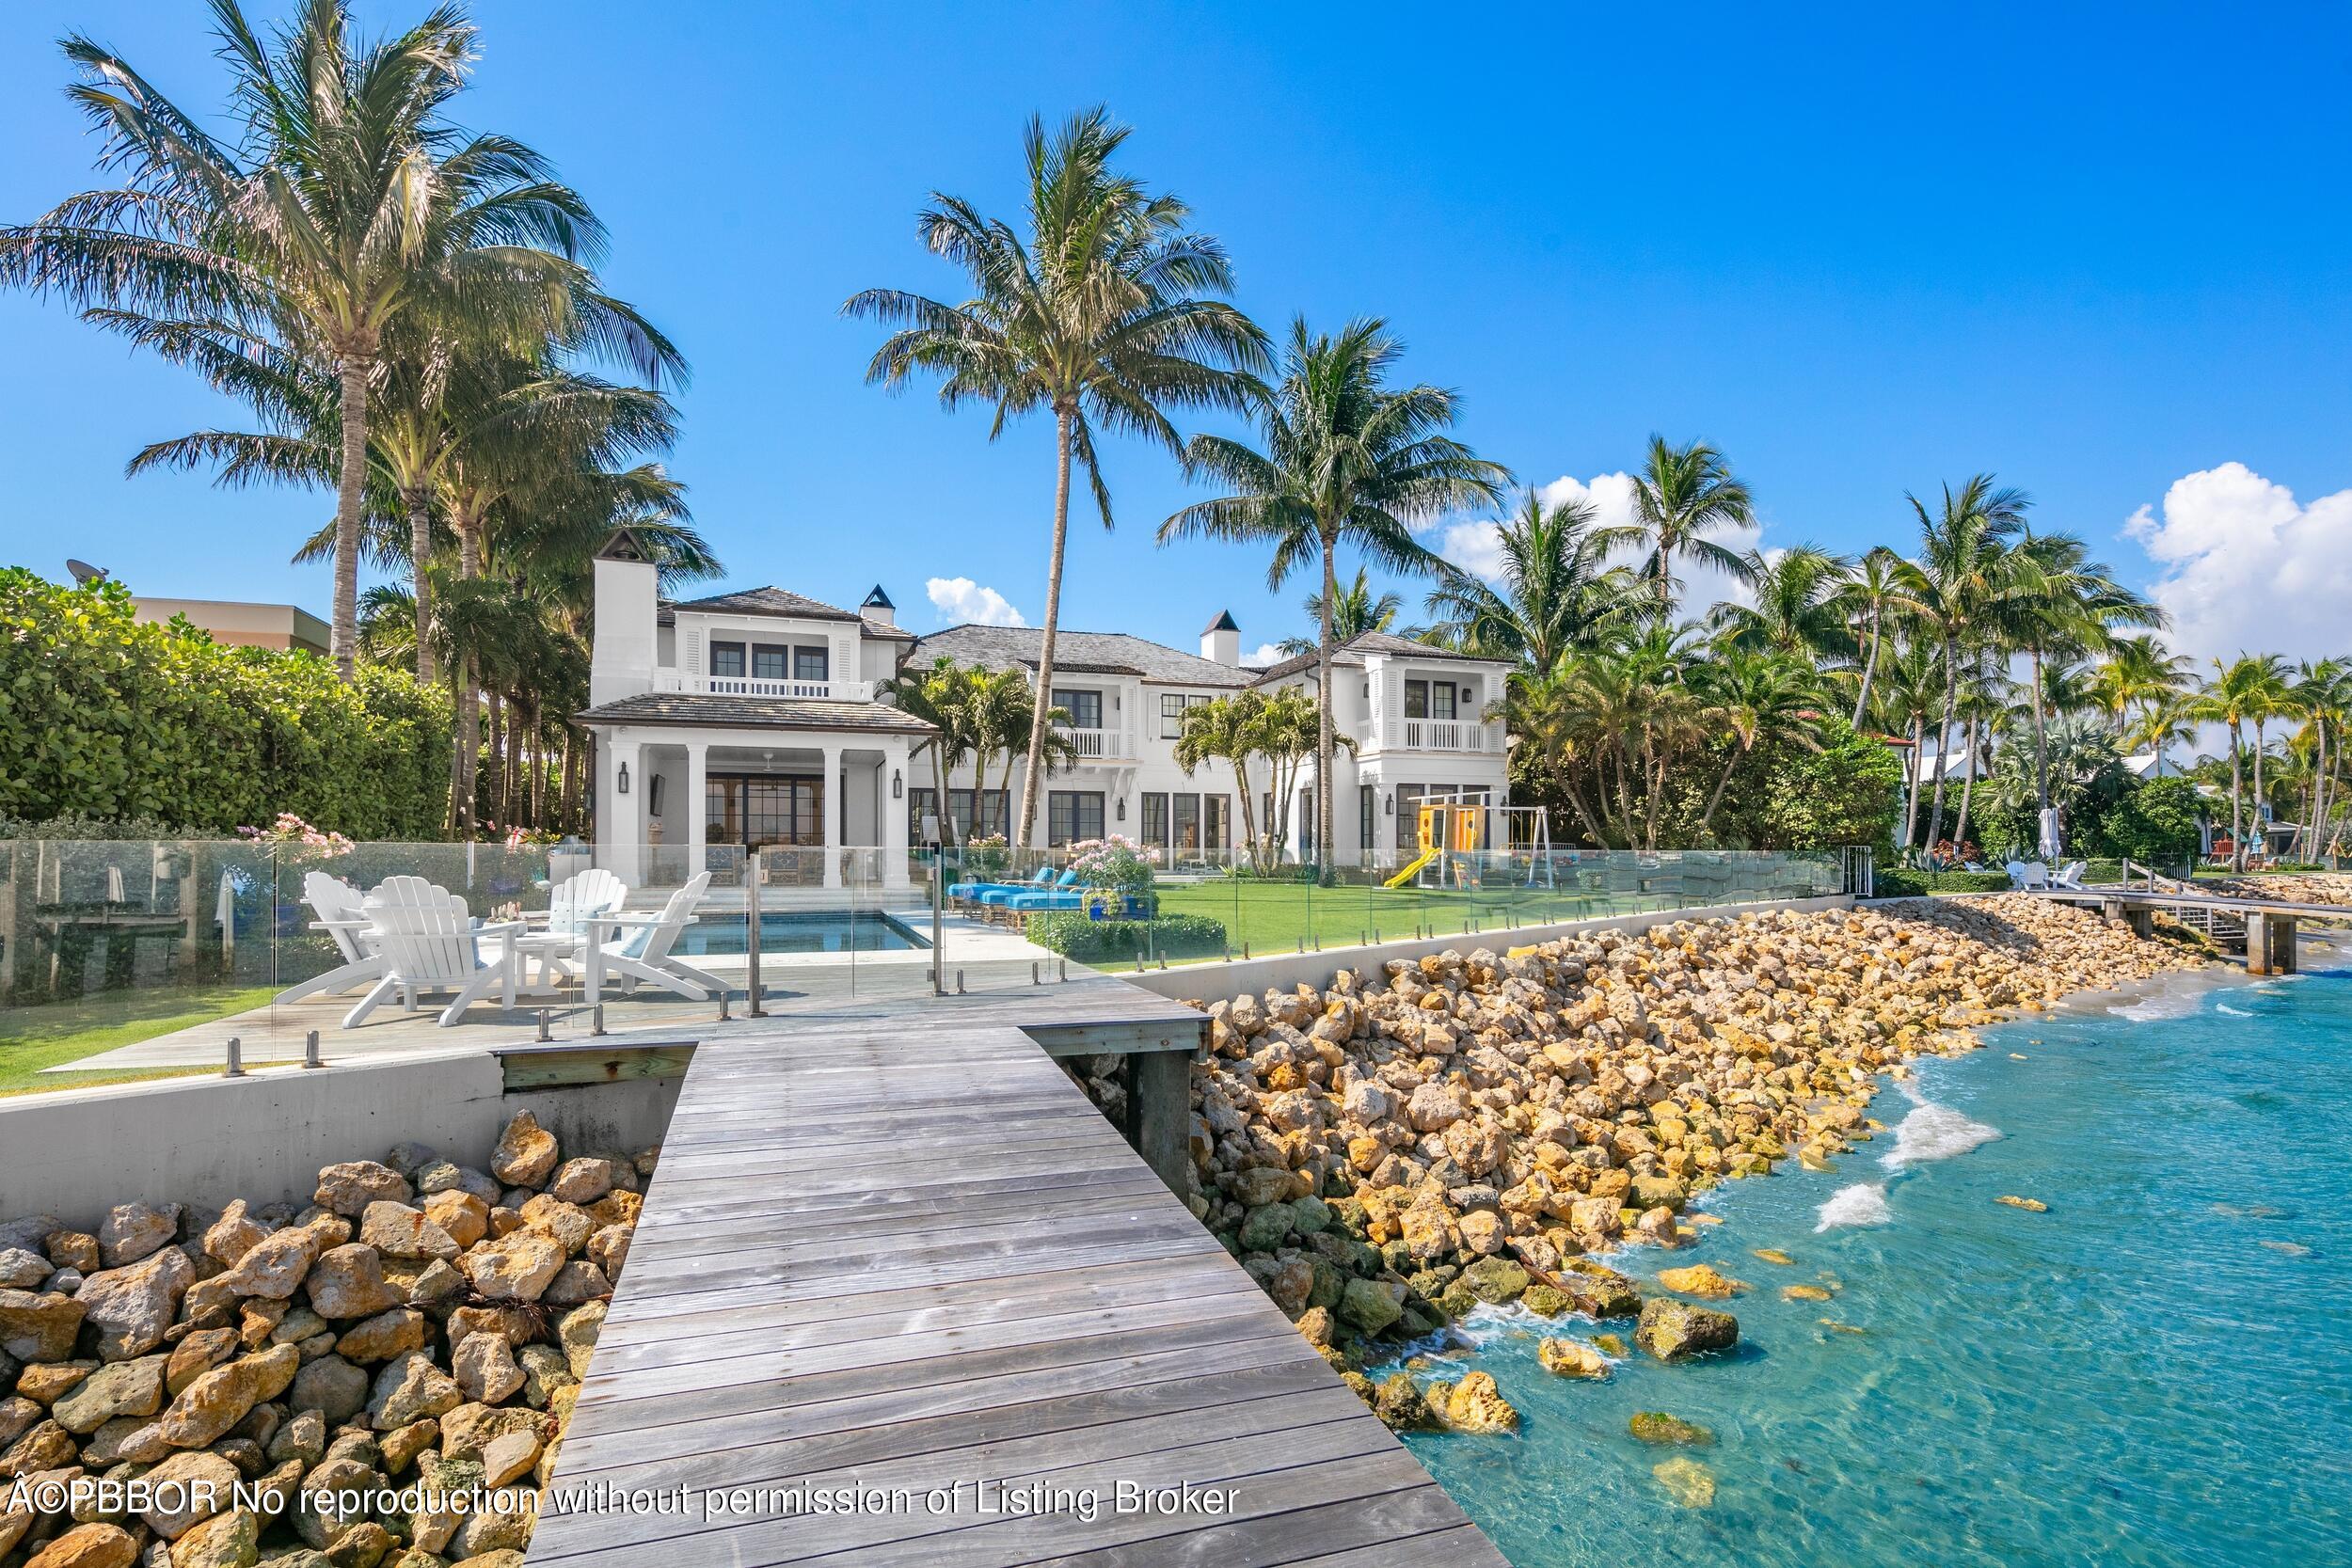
{"x":205,"y":1141}
{"x":1208,"y":982}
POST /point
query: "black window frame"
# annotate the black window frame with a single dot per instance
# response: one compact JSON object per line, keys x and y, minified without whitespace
{"x":802,"y":653}
{"x":1067,"y":811}
{"x":740,"y":652}
{"x":1063,"y":696}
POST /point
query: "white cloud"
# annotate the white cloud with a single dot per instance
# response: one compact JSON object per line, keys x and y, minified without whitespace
{"x":960,"y":600}
{"x":1477,"y":547}
{"x":1267,"y":654}
{"x":2246,"y":567}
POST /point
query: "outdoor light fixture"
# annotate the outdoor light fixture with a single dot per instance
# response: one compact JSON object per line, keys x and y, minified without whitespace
{"x":897,"y":785}
{"x":1391,"y":807}
{"x":1122,"y":808}
{"x":620,"y":784}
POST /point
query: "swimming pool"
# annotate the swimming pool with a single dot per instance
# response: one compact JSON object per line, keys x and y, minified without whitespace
{"x":801,"y":932}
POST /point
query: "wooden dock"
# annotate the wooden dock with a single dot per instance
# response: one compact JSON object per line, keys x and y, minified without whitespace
{"x":2266,"y":926}
{"x":900,"y":1295}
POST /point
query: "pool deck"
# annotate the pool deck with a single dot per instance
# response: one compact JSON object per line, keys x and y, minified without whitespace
{"x":906,"y":1255}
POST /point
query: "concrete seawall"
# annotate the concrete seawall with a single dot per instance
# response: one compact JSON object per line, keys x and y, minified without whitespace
{"x":265,"y":1136}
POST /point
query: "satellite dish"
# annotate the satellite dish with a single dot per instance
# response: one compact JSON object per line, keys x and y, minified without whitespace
{"x":86,"y":574}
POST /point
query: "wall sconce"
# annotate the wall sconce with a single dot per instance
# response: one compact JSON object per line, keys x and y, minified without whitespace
{"x":1121,"y":808}
{"x":897,"y":785}
{"x":620,"y":784}
{"x":1391,"y":807}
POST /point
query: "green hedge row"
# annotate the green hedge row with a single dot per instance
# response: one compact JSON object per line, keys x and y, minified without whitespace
{"x":104,"y":716}
{"x":1900,"y":882}
{"x":1072,"y":934}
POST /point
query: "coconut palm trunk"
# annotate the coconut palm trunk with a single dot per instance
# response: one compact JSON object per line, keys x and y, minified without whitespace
{"x":2237,"y":814}
{"x":2040,"y":741}
{"x":1918,"y":761}
{"x":1044,"y":704}
{"x":344,"y":637}
{"x":1943,"y":739}
{"x":1325,"y":855}
{"x":1967,"y":786}
{"x":417,"y":500}
{"x":1869,"y":669}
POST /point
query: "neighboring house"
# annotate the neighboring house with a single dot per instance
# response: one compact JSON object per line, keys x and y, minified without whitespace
{"x":1418,"y":716}
{"x":751,"y":719}
{"x":246,"y":625}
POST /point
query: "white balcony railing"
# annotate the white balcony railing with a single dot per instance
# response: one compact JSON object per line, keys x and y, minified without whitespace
{"x":1449,"y":734}
{"x":747,"y":685}
{"x":1095,"y":743}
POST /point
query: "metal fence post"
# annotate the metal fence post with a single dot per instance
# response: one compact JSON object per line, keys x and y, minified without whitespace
{"x":755,"y":874}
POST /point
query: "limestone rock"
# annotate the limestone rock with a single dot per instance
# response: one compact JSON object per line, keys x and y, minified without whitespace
{"x":517,"y":1267}
{"x":396,"y":1231}
{"x":187,"y":1489}
{"x":576,"y":1282}
{"x":509,"y":1457}
{"x":526,"y":1152}
{"x":486,"y":1369}
{"x":545,"y":1370}
{"x":1656,"y":1426}
{"x":1402,"y":1406}
{"x":1571,"y":1358}
{"x":1474,"y":1405}
{"x":348,"y":1189}
{"x":1686,"y":1481}
{"x":1371,"y":1305}
{"x":274,"y":1267}
{"x":348,"y":1282}
{"x":383,"y":1337}
{"x":45,"y":1447}
{"x":1672,"y":1330}
{"x":21,"y":1269}
{"x":124,"y":1389}
{"x":608,"y":1249}
{"x":230,"y":1540}
{"x":321,"y":1517}
{"x":73,"y":1250}
{"x":567,"y":1223}
{"x":578,"y":1333}
{"x":39,"y":1327}
{"x":409,"y":1389}
{"x":332,"y":1386}
{"x":218,"y":1400}
{"x":134,"y":1230}
{"x":462,"y":1216}
{"x":400,"y":1447}
{"x":196,"y":1355}
{"x":92,"y":1545}
{"x":583,"y":1180}
{"x":47,"y":1381}
{"x":129,"y":1308}
{"x":1701,"y":1280}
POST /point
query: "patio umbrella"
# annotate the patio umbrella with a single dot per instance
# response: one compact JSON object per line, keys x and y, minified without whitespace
{"x":225,"y":914}
{"x":114,"y":886}
{"x":2049,"y":834}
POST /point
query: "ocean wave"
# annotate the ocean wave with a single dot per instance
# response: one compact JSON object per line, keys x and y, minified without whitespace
{"x":1864,"y":1203}
{"x":2159,"y":1004}
{"x":1934,"y":1133}
{"x":2234,"y":1012}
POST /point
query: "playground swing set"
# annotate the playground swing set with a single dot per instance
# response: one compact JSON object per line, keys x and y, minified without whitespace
{"x":1453,"y":832}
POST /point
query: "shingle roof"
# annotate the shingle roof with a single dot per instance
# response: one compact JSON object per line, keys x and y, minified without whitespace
{"x":783,"y":602}
{"x":765,"y":713}
{"x":1095,"y":653}
{"x":1351,"y":655}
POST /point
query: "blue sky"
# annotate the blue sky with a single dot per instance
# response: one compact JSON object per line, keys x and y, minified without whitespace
{"x":2103,"y":253}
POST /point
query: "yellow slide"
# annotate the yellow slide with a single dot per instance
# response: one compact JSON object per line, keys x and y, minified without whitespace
{"x":1413,"y":870}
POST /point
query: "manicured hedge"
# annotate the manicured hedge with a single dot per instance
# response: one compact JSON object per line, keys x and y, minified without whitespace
{"x":1897,"y":881}
{"x":1071,"y":933}
{"x":104,"y":716}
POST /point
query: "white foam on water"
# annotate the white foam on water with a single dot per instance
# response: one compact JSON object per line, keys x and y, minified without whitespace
{"x":1864,"y":1203}
{"x":2158,"y":1004}
{"x":1934,"y":1133}
{"x":2234,"y":1012}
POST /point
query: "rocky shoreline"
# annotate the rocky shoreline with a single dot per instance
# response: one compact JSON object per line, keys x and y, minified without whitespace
{"x":420,"y":1326}
{"x":1386,"y":1155}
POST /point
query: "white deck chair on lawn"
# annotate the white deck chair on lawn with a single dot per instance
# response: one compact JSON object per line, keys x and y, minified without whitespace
{"x":2027,"y":874}
{"x":2072,"y":876}
{"x":643,"y":952}
{"x":430,"y":942}
{"x":340,"y":915}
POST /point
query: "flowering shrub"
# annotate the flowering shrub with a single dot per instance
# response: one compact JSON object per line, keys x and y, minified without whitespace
{"x":311,"y":843}
{"x":525,"y":838}
{"x":1114,"y":861}
{"x":986,"y":856}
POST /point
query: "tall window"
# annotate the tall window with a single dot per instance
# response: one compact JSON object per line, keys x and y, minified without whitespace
{"x":1072,"y":815}
{"x":970,"y":813}
{"x":1367,"y":815}
{"x":1216,"y":822}
{"x":811,"y":664}
{"x":727,"y":658}
{"x":769,"y":661}
{"x":1155,"y":820}
{"x":1085,"y":709}
{"x":1440,"y":699}
{"x":1188,"y":823}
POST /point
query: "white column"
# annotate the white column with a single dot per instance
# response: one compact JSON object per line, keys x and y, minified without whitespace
{"x":697,"y":804}
{"x":832,"y":816}
{"x":623,"y":825}
{"x":894,"y":816}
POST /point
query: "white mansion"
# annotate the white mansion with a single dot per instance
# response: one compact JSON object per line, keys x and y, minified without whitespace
{"x":751,"y":718}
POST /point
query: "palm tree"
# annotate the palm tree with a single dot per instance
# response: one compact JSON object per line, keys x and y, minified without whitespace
{"x":2163,"y":722}
{"x":346,"y":205}
{"x":940,"y":694}
{"x":2136,"y":674}
{"x":1000,"y":710}
{"x":1357,"y":613}
{"x":1101,"y":317}
{"x":1910,"y":693}
{"x":1798,"y":608}
{"x":2071,"y":611}
{"x":1683,"y":495}
{"x":1556,"y":592}
{"x":1965,"y":587}
{"x":1227,"y":728}
{"x":2319,"y":692}
{"x":1285,"y":729}
{"x":2249,"y":689}
{"x":1750,"y":694}
{"x":1346,"y":458}
{"x":1872,"y":594}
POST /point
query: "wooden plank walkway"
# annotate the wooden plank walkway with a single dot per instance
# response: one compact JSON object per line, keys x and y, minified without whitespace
{"x":904,"y":1255}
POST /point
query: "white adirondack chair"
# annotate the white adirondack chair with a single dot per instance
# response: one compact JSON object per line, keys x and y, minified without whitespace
{"x":572,"y":900}
{"x":430,"y":943}
{"x":2027,"y":874}
{"x":2072,"y":876}
{"x":340,"y":915}
{"x":644,"y":952}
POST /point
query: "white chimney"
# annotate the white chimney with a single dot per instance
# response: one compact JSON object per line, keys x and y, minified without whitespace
{"x":622,"y":661}
{"x":1220,"y":643}
{"x":877,"y":608}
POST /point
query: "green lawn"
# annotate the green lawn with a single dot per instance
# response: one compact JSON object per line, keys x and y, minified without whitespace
{"x":1273,"y":917}
{"x":34,"y":1038}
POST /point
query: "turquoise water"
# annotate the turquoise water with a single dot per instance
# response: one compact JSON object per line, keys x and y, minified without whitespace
{"x":822,"y":931}
{"x":2158,"y":1371}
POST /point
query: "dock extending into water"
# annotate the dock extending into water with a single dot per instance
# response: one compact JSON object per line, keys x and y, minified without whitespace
{"x":901,"y":1294}
{"x":2266,"y":926}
